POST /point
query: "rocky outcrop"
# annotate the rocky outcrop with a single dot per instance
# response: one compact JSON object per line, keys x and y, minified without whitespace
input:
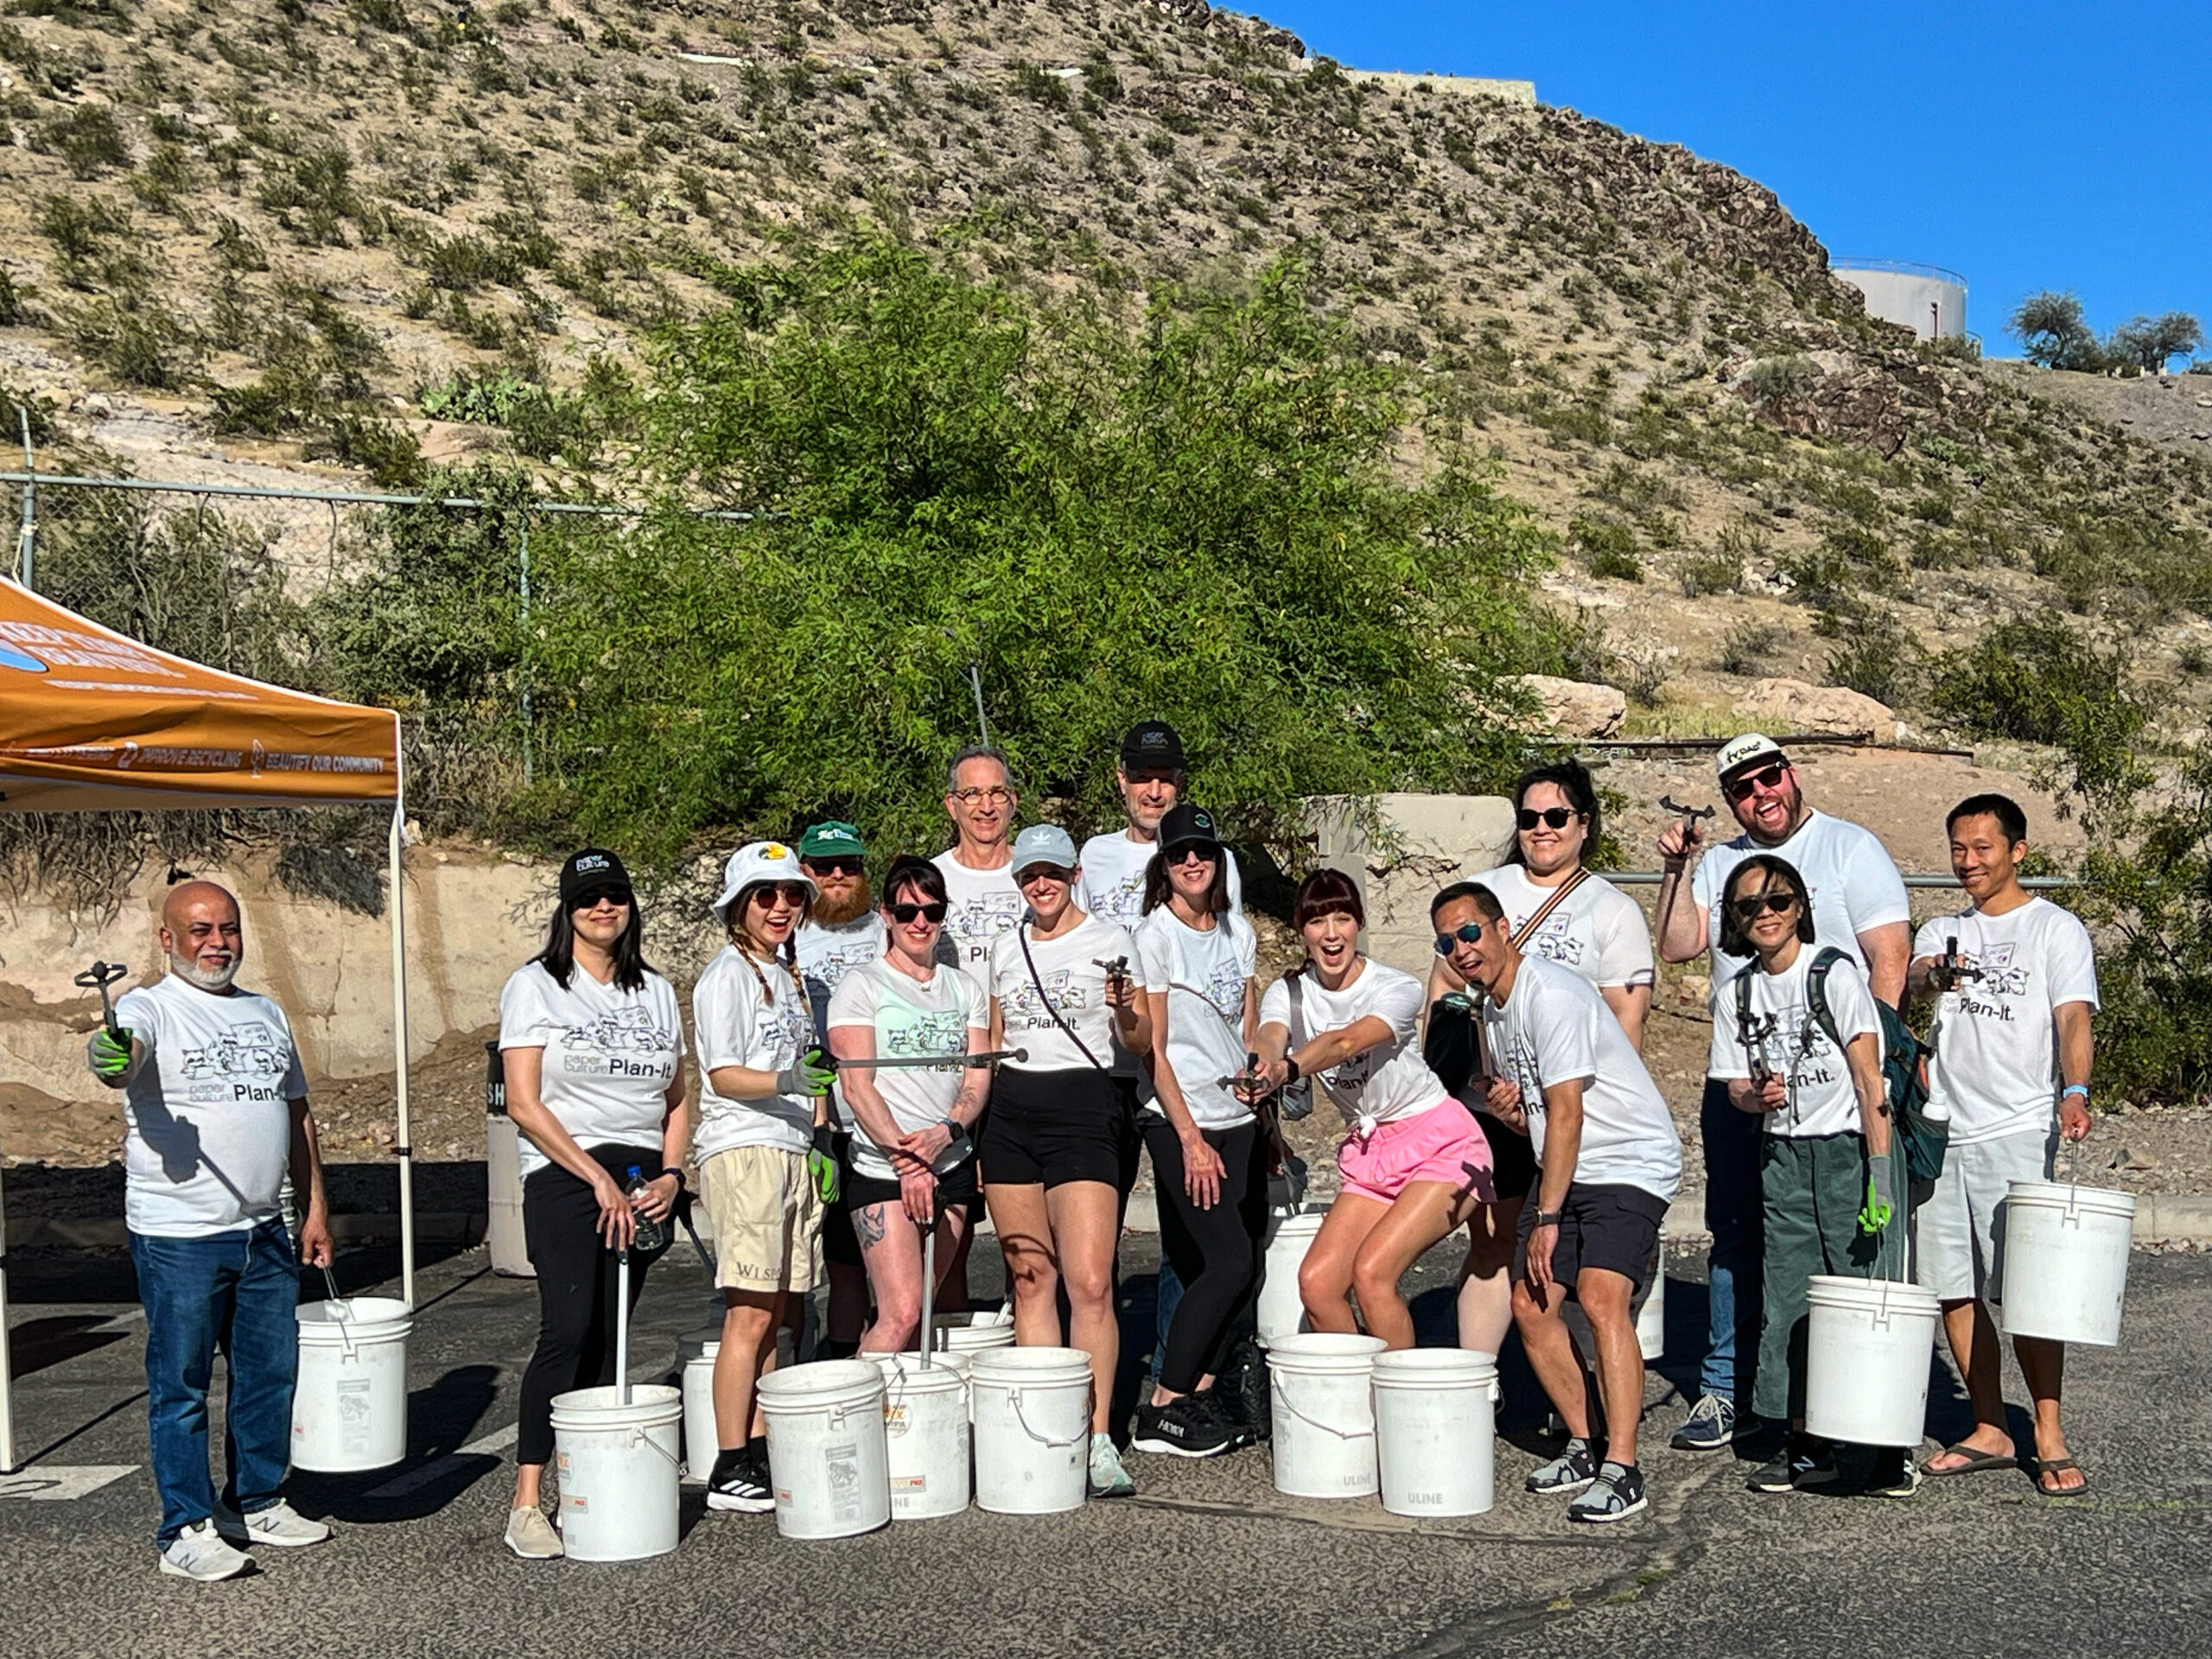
{"x":1234,"y":25}
{"x":1576,"y":708}
{"x":1795,"y":706}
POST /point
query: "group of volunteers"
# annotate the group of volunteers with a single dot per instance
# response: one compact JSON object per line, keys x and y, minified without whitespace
{"x":1010,"y":1027}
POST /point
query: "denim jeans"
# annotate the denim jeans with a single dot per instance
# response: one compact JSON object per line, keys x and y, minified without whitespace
{"x":1168,"y":1298}
{"x":1732,"y":1214}
{"x":239,"y":1291}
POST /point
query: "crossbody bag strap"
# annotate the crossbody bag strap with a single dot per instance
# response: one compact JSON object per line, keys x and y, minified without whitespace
{"x":1558,"y":897}
{"x":1021,"y":932}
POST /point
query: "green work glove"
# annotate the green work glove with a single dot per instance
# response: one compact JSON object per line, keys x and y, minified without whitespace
{"x":821,"y":1165}
{"x":813,"y":1075}
{"x":1881,"y":1202}
{"x":109,"y":1053}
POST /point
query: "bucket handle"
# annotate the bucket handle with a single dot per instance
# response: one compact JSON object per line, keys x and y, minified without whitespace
{"x":1290,"y":1405}
{"x":638,"y":1437}
{"x":1013,"y":1399}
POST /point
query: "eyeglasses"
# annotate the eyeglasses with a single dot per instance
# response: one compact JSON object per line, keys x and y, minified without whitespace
{"x":996,"y":795}
{"x":836,"y":866}
{"x":791,"y":893}
{"x":1465,"y":933}
{"x":1044,"y":873}
{"x":1557,"y":816}
{"x":1767,"y":777}
{"x":1749,"y":908}
{"x":594,"y":897}
{"x":1189,"y":853}
{"x":928,"y":913}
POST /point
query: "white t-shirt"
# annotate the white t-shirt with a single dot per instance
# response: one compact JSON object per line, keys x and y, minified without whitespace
{"x":609,"y":1055}
{"x":1996,"y":1064}
{"x":1855,"y":887}
{"x":826,"y":955}
{"x":1597,"y":930}
{"x":1384,"y":1083}
{"x":1203,"y":974}
{"x":1815,"y":1074}
{"x":1112,"y":885}
{"x":1554,"y":1028}
{"x":1075,"y":984}
{"x":208,"y":1119}
{"x":733,"y":1024}
{"x":909,"y":1018}
{"x":981,"y":904}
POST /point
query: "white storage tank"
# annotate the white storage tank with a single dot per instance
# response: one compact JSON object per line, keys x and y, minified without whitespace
{"x":1927,"y":299}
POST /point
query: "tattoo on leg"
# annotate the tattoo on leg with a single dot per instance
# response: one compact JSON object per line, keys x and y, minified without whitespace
{"x":868,"y":1221}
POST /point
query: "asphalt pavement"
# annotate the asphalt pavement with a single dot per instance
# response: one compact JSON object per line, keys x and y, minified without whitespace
{"x":1208,"y":1559}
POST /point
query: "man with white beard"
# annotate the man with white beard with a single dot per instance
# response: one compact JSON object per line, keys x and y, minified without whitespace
{"x":215,"y":1114}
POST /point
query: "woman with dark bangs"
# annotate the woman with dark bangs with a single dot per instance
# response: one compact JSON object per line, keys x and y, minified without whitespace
{"x":1414,"y":1164}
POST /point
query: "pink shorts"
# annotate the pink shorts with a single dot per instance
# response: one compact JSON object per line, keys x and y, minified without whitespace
{"x":1441,"y":1144}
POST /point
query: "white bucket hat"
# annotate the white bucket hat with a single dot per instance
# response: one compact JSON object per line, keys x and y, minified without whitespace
{"x":758,"y":862}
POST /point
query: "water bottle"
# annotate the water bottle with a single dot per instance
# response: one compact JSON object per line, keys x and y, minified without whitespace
{"x":651,"y":1234}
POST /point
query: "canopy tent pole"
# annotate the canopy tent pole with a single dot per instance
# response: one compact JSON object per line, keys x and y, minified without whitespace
{"x":6,"y":1374}
{"x":406,"y":1147}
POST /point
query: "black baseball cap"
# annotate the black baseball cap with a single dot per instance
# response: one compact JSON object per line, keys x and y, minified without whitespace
{"x":590,"y":869}
{"x":1185,"y":824}
{"x":1152,"y":746}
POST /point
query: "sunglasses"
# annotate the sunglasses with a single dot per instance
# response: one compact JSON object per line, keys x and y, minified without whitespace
{"x":1749,"y":908}
{"x":1044,"y":873}
{"x":791,"y":893}
{"x":837,"y":866}
{"x":1557,"y":817}
{"x":933,"y":911}
{"x":1767,"y":777}
{"x":593,"y":898}
{"x":1465,"y":933}
{"x":1191,"y":852}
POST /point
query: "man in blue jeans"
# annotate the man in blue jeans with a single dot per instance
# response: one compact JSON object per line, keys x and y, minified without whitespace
{"x":1858,"y":904}
{"x":215,"y":1114}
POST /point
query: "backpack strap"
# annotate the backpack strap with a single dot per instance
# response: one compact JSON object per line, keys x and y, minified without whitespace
{"x":1816,"y":992}
{"x":1744,"y":1008}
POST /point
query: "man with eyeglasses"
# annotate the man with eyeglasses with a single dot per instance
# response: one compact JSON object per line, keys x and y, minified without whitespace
{"x":980,"y":799}
{"x":1860,"y":906}
{"x":1608,"y":1161}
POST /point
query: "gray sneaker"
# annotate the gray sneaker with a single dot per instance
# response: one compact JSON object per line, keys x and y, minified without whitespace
{"x":1107,"y":1478}
{"x":1570,"y":1471}
{"x":1616,"y":1494}
{"x":201,"y":1554}
{"x":1711,"y":1425}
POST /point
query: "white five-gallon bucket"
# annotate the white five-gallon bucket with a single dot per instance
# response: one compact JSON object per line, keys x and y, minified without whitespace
{"x":700,"y":1443}
{"x":1433,"y":1430}
{"x":618,"y":1471}
{"x":1651,"y":1317}
{"x":974,"y":1333}
{"x":828,"y":1459}
{"x":1324,"y":1413}
{"x":349,"y":1406}
{"x":925,"y":1428}
{"x":2065,"y":1250}
{"x":1868,"y":1345}
{"x":1281,"y":1312}
{"x":1032,"y":1408}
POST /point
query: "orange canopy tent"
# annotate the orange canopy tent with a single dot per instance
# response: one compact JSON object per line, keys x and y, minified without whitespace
{"x":91,"y":720}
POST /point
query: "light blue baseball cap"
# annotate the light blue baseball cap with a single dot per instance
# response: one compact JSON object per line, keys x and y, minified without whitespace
{"x":1043,"y":843}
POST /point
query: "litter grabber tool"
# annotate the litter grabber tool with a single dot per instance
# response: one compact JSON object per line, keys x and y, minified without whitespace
{"x":1669,"y":803}
{"x":108,"y":1049}
{"x":932,"y":1062}
{"x":929,"y":1292}
{"x":622,"y":1322}
{"x":1248,"y":1078}
{"x":99,"y":976}
{"x":683,"y":1215}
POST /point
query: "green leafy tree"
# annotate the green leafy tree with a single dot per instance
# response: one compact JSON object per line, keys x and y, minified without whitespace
{"x":2051,"y":328}
{"x":2152,"y":342}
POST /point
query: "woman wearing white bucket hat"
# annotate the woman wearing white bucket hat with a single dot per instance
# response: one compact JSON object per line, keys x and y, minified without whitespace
{"x":761,"y":1100}
{"x":1062,"y":987}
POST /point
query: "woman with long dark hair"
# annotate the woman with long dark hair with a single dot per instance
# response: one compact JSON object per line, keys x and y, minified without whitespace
{"x":1413,"y":1165}
{"x":1555,"y":907}
{"x":592,"y":1045}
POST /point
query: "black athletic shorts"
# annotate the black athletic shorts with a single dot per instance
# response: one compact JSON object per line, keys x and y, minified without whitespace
{"x":1512,"y":1157}
{"x":957,"y":1185}
{"x":1612,"y":1227}
{"x":840,"y":1245}
{"x":1051,"y":1128}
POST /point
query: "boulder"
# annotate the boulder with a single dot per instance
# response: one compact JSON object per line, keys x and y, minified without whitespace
{"x":1793,"y":705}
{"x":1576,"y":708}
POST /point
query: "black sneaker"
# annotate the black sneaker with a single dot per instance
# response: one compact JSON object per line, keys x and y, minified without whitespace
{"x":1233,"y":1407}
{"x":1187,"y":1427}
{"x":740,"y":1481}
{"x":1570,"y":1471}
{"x":1801,"y":1462}
{"x":1616,"y":1494}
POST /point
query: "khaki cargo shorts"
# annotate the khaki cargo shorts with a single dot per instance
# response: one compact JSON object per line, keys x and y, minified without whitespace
{"x":767,"y":1219}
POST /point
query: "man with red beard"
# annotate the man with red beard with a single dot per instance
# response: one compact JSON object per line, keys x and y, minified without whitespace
{"x":842,"y":933}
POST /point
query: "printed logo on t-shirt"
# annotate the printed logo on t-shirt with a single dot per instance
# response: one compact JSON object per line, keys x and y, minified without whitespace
{"x":1225,"y":990}
{"x":621,"y":1043}
{"x":976,"y":923}
{"x":905,"y":1032}
{"x":1520,"y":1065}
{"x":1792,"y":1046}
{"x":1555,"y":940}
{"x":1994,"y":975}
{"x":247,"y":1062}
{"x":1021,"y":1004}
{"x":1123,"y":903}
{"x":825,"y":972}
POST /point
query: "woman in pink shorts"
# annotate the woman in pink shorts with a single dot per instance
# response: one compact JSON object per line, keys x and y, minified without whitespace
{"x":1414,"y":1164}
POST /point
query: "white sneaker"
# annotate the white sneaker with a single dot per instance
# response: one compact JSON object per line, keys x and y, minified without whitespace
{"x":1107,"y":1478}
{"x":201,"y":1553}
{"x":282,"y":1525}
{"x":530,"y":1536}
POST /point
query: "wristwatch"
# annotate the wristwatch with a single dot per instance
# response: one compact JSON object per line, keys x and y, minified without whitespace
{"x":951,"y":1127}
{"x":1547,"y":1218}
{"x":1290,"y":1061}
{"x":676,"y":1170}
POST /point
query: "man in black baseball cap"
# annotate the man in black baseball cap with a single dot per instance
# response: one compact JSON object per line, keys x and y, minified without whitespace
{"x":1151,"y":775}
{"x":592,"y":871}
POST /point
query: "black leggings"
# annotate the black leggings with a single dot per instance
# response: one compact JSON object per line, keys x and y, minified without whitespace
{"x":1216,"y":1252}
{"x":576,"y":1277}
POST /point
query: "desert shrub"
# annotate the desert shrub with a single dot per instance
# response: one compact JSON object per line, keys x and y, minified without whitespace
{"x":1717,"y":571}
{"x":1747,"y":650}
{"x":2035,"y":679}
{"x":1609,"y":547}
{"x":1878,"y":657}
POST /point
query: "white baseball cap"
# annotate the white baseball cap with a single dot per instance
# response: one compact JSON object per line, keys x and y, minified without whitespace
{"x":758,"y":862}
{"x":1741,"y":752}
{"x":1043,"y":843}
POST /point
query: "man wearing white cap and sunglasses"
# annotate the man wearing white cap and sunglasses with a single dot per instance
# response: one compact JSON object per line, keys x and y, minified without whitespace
{"x":1860,"y":906}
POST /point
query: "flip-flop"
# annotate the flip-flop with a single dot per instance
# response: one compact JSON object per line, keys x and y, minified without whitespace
{"x":2055,"y":1465}
{"x":1976,"y":1461}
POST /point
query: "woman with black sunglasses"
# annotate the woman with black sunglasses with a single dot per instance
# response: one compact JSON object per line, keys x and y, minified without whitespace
{"x":913,"y":1163}
{"x":591,"y":1042}
{"x":1555,"y":908}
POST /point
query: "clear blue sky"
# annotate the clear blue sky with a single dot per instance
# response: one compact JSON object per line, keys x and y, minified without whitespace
{"x":2030,"y":144}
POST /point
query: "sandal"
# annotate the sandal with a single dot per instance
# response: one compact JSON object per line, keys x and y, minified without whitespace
{"x":2056,"y":1465}
{"x":1976,"y":1461}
